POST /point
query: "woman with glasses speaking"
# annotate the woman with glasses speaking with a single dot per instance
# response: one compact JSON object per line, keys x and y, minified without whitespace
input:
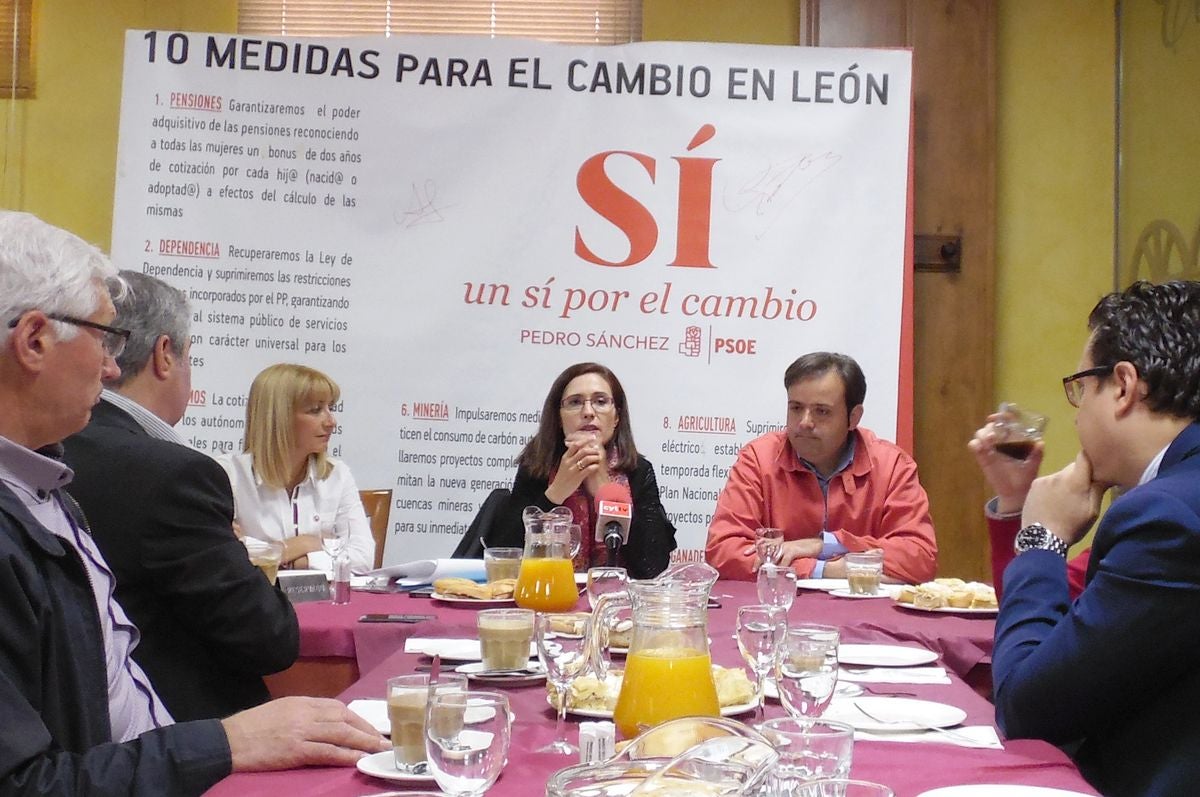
{"x":583,"y":442}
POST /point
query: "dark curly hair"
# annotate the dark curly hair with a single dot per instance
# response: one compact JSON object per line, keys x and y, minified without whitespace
{"x":1157,"y":329}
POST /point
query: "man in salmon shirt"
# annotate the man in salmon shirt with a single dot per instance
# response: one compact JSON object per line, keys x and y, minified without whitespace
{"x":830,"y":485}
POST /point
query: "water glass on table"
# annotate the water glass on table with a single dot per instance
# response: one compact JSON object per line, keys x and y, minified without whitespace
{"x":504,"y":638}
{"x":864,"y":569}
{"x":467,"y":736}
{"x":562,"y":646}
{"x":806,"y":669}
{"x":807,"y":751}
{"x":502,"y":563}
{"x":777,"y":586}
{"x":842,"y":787}
{"x":768,"y":544}
{"x":407,"y":699}
{"x":759,"y":629}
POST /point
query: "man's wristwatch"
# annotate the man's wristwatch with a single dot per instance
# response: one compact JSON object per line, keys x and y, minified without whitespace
{"x":1035,"y":536}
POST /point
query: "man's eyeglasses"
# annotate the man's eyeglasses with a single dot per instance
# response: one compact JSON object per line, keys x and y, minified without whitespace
{"x":1074,"y":388}
{"x":113,"y":340}
{"x":601,"y":403}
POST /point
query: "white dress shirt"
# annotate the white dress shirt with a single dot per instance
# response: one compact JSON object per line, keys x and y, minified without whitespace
{"x":269,"y":513}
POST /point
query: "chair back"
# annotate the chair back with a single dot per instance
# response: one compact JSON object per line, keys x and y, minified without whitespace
{"x":377,"y":503}
{"x":471,"y":544}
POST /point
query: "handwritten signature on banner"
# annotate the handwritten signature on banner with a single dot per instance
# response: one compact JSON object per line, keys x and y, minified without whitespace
{"x":777,"y":185}
{"x":423,"y":208}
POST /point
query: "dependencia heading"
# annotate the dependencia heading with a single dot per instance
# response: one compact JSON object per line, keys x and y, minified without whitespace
{"x":845,"y":84}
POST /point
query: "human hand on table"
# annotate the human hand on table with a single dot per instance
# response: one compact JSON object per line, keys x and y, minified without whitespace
{"x":789,"y":551}
{"x":1010,"y":478}
{"x":299,"y":731}
{"x":1067,"y":502}
{"x":299,"y":547}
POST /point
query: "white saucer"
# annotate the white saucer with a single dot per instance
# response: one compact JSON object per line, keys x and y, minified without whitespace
{"x":998,"y":790}
{"x":475,"y":672}
{"x":846,"y":593}
{"x":383,"y":765}
{"x":900,"y":713}
{"x":884,"y":655}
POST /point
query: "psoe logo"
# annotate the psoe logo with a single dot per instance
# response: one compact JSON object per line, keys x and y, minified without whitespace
{"x":693,"y":342}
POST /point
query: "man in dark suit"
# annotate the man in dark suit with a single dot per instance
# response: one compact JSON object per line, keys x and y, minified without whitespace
{"x":1114,"y":676}
{"x":162,"y":515}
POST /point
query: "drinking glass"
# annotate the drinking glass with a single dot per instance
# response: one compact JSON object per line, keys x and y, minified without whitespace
{"x":576,"y":539}
{"x":467,"y":736}
{"x":806,"y":669}
{"x":807,"y":751}
{"x":842,"y":787}
{"x":777,"y":586}
{"x":864,"y":569}
{"x":768,"y":543}
{"x":334,"y":536}
{"x":564,"y":655}
{"x":501,"y":563}
{"x":407,"y":699}
{"x":605,"y":579}
{"x":1018,"y":430}
{"x":758,"y":631}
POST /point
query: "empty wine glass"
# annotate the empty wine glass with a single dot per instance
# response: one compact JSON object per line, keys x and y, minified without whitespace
{"x":605,"y":579}
{"x":768,"y":543}
{"x":777,"y":586}
{"x":563,"y":650}
{"x":334,"y":535}
{"x":806,"y":669}
{"x":467,"y":736}
{"x":759,"y":629}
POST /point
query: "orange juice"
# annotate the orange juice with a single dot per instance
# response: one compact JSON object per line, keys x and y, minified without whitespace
{"x":546,"y":585}
{"x":662,"y":684}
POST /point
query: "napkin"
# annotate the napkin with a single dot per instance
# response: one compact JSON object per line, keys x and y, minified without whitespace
{"x":895,"y":675}
{"x":977,"y":736}
{"x":374,"y":712}
{"x":449,"y":649}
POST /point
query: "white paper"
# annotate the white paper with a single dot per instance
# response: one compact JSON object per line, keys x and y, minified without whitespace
{"x":426,"y":571}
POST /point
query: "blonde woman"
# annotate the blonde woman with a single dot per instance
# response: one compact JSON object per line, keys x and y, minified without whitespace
{"x":285,"y":485}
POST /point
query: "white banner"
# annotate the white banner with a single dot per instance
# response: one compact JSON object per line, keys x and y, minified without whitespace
{"x":442,"y":224}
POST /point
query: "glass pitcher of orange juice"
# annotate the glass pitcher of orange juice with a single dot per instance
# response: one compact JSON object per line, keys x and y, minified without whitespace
{"x":546,"y":581}
{"x":669,"y":648}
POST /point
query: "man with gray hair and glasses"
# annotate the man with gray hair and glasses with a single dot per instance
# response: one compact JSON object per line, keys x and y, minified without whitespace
{"x":162,"y":514}
{"x":80,"y":715}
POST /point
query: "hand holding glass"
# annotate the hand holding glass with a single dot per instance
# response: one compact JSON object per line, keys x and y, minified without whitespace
{"x":806,"y":669}
{"x":564,"y":654}
{"x":759,"y":629}
{"x":1018,"y":430}
{"x":467,"y":736}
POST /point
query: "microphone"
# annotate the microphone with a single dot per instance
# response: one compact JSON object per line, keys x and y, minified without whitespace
{"x":614,"y":510}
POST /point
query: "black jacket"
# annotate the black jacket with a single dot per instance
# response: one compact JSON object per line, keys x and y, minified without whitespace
{"x":162,"y":515}
{"x":651,"y":535}
{"x":54,"y":686}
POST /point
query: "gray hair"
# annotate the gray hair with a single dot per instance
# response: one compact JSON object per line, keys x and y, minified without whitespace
{"x":43,"y":267}
{"x":149,"y":309}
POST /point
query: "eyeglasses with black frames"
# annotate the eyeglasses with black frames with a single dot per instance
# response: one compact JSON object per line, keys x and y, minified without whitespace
{"x":1073,"y":387}
{"x":601,"y":403}
{"x":113,"y":339}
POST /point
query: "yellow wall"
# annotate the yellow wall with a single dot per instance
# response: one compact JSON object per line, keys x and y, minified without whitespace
{"x":60,"y":148}
{"x":1055,"y":142}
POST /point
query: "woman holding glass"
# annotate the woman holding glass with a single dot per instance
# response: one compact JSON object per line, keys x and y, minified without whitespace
{"x":584,"y":441}
{"x":285,"y":485}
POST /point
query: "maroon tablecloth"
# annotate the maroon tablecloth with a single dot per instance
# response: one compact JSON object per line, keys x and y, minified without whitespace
{"x":909,"y":769}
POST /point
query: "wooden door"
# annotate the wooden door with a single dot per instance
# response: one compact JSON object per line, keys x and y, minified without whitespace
{"x":953,"y":44}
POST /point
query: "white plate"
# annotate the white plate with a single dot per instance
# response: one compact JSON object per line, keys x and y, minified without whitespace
{"x":383,"y":765}
{"x":884,"y":655}
{"x":464,"y":601}
{"x":846,"y":593}
{"x":605,"y":714}
{"x":911,"y":715}
{"x":843,"y":689}
{"x":822,"y":584}
{"x":949,"y":610}
{"x":475,"y":672}
{"x":998,"y":790}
